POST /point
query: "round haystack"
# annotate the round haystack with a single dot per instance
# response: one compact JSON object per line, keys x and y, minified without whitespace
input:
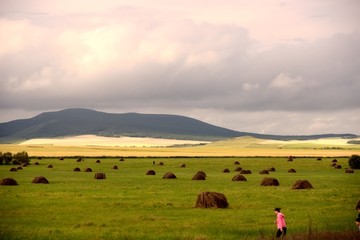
{"x":245,"y":171}
{"x":334,"y":164}
{"x":151,"y":172}
{"x":239,"y":177}
{"x":169,"y":175}
{"x":238,"y":169}
{"x":121,"y":160}
{"x":334,"y":160}
{"x":40,"y":179}
{"x":272,"y":169}
{"x":264,"y":172}
{"x":161,"y":163}
{"x":183,"y":165}
{"x":24,"y":165}
{"x":199,"y":176}
{"x":211,"y":200}
{"x":319,"y":159}
{"x":98,"y":161}
{"x":19,"y":168}
{"x":88,"y":170}
{"x":79,"y":159}
{"x":349,"y":170}
{"x":100,"y":176}
{"x":49,"y":166}
{"x":270,"y":182}
{"x":61,"y":158}
{"x":77,"y":169}
{"x":291,"y":170}
{"x":338,"y":167}
{"x":13,"y":169}
{"x":202,"y":172}
{"x":9,"y":182}
{"x":290,"y":158}
{"x":115,"y":167}
{"x":36,"y":163}
{"x":302,"y":184}
{"x":226,"y":170}
{"x":236,"y":163}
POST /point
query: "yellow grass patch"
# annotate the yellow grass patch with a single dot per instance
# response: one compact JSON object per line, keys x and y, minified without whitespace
{"x":93,"y":140}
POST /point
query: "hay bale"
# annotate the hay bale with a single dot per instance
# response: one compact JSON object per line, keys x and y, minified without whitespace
{"x":238,"y":169}
{"x":211,"y":200}
{"x":169,"y":175}
{"x":357,"y":205}
{"x":199,"y":176}
{"x":8,"y":182}
{"x":121,"y":159}
{"x":239,"y":177}
{"x":49,"y":166}
{"x":349,"y":170}
{"x":13,"y":169}
{"x":79,"y":159}
{"x":183,"y":165}
{"x":202,"y":172}
{"x":264,"y":172}
{"x":290,"y":159}
{"x":334,"y":164}
{"x":270,"y":182}
{"x":98,"y":161}
{"x":161,"y":163}
{"x":151,"y":172}
{"x":245,"y":171}
{"x":334,"y":160}
{"x":36,"y":163}
{"x":24,"y":165}
{"x":226,"y":170}
{"x":61,"y":158}
{"x":19,"y":168}
{"x":76,"y":169}
{"x":272,"y":169}
{"x":40,"y":179}
{"x":338,"y":167}
{"x":291,"y":170}
{"x":100,"y":176}
{"x":302,"y":184}
{"x":236,"y":163}
{"x":115,"y":167}
{"x":319,"y":159}
{"x":88,"y":170}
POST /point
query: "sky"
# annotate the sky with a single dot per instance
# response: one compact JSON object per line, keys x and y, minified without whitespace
{"x":264,"y":66}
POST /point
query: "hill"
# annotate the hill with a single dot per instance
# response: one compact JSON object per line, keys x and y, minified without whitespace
{"x":73,"y":122}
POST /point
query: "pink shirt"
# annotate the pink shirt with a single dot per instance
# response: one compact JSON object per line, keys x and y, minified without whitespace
{"x":280,"y":221}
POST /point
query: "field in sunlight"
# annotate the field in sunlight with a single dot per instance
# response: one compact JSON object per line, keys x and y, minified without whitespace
{"x":144,"y":147}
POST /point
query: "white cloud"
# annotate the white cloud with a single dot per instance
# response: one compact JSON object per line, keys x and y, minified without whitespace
{"x":286,"y":81}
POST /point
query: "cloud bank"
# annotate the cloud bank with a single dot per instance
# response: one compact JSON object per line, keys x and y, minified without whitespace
{"x":296,"y":73}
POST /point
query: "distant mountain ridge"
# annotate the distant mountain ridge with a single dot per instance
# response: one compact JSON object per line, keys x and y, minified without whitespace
{"x":78,"y":121}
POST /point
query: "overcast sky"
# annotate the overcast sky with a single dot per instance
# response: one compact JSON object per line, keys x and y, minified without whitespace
{"x":269,"y":66}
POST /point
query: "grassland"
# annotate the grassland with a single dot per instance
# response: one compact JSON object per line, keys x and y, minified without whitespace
{"x":244,"y":146}
{"x":130,"y":205}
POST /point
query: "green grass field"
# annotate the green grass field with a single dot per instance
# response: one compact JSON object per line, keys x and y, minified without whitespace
{"x":131,"y":205}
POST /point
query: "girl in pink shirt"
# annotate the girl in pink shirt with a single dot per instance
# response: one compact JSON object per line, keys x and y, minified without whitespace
{"x":280,"y":223}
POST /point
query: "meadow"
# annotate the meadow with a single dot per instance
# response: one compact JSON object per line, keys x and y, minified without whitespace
{"x":131,"y":205}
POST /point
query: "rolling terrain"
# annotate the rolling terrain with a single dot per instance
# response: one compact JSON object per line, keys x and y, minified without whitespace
{"x":75,"y":122}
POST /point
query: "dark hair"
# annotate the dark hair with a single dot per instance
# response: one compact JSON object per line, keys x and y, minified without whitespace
{"x":277,"y":209}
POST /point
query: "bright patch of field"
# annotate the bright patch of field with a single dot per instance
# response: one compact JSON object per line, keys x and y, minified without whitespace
{"x":93,"y":140}
{"x":130,"y":205}
{"x":245,"y":146}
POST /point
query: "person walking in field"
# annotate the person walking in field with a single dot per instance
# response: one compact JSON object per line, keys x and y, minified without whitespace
{"x":280,"y":223}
